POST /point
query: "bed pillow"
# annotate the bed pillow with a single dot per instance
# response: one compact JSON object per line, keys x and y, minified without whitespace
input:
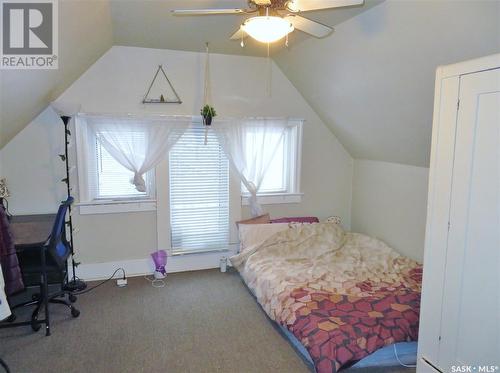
{"x":255,"y":234}
{"x":299,"y":219}
{"x":262,"y":219}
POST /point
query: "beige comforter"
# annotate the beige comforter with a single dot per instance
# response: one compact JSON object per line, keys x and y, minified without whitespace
{"x":320,"y":257}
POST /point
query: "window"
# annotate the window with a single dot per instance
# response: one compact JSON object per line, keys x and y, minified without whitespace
{"x":283,"y":174}
{"x":199,"y":193}
{"x":112,"y":179}
{"x":102,"y":179}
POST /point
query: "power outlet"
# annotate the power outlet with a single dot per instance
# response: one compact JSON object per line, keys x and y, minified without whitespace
{"x":121,"y":282}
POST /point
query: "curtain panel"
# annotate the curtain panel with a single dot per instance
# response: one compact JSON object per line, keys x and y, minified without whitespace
{"x":138,"y":144}
{"x":250,"y":145}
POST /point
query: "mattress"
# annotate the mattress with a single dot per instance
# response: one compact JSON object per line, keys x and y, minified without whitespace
{"x":384,"y":357}
{"x":338,"y":297}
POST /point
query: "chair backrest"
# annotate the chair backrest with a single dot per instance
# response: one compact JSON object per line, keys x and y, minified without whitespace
{"x":58,"y":246}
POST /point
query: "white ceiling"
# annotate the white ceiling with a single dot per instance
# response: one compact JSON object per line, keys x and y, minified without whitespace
{"x":150,"y":24}
{"x":372,"y":82}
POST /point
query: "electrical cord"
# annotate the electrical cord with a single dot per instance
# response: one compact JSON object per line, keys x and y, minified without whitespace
{"x":4,"y":365}
{"x":399,"y":361}
{"x":101,"y":283}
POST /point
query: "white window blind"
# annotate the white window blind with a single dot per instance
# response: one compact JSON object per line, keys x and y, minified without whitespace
{"x":113,"y":180}
{"x":199,"y":193}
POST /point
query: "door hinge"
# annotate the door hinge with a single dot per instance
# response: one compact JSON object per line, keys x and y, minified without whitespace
{"x":449,"y":225}
{"x":458,"y":104}
{"x":439,"y":339}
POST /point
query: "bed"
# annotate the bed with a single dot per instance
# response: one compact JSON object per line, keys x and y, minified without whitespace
{"x":342,"y":299}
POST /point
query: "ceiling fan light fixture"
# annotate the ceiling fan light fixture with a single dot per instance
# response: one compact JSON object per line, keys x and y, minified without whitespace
{"x":267,"y":29}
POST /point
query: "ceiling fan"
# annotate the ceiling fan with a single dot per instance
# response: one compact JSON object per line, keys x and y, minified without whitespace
{"x":274,"y":19}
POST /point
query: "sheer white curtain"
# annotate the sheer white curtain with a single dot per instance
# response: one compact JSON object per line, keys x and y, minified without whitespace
{"x":138,"y":144}
{"x":250,"y":146}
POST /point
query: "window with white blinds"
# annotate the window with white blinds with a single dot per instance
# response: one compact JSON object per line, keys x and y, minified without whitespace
{"x":112,"y":180}
{"x":199,"y":193}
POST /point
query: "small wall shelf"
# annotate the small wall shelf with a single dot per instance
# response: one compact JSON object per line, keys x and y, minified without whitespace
{"x":158,"y":95}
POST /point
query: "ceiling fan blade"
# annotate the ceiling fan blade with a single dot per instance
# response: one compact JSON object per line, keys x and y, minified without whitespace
{"x":309,"y":27}
{"x":238,"y":35}
{"x":205,"y":12}
{"x":307,"y":5}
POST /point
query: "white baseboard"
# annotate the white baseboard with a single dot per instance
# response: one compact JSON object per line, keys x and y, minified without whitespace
{"x":140,"y":267}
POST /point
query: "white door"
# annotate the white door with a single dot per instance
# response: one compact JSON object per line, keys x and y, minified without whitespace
{"x":470,"y":320}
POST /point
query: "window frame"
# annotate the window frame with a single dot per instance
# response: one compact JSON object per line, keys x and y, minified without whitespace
{"x":86,"y":160}
{"x":292,"y":193}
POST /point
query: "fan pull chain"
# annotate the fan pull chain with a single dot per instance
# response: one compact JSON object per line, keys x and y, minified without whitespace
{"x":242,"y":39}
{"x":286,"y":40}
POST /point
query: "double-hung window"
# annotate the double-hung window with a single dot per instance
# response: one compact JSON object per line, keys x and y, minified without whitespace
{"x":199,"y":193}
{"x":102,"y":179}
{"x":112,"y":180}
{"x":281,"y":182}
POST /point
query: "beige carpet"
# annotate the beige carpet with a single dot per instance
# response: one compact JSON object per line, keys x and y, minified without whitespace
{"x":202,"y":321}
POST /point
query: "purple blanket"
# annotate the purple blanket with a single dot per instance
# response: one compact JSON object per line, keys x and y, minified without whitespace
{"x":8,"y":257}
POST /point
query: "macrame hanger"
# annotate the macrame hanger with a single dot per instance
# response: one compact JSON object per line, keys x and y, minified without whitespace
{"x":269,"y":73}
{"x":207,"y":90}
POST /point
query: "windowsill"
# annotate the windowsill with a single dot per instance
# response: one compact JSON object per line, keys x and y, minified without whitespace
{"x":115,"y":207}
{"x":199,"y":252}
{"x":271,"y":199}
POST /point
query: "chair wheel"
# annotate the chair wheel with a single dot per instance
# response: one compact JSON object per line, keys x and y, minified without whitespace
{"x":72,"y":298}
{"x":36,"y":327}
{"x":11,"y":318}
{"x":74,"y":312}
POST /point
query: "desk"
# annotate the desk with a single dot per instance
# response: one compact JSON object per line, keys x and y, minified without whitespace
{"x":31,"y":228}
{"x":28,"y":229}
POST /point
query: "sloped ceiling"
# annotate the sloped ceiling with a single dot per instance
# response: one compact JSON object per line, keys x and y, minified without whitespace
{"x":373,"y":81}
{"x":88,"y":28}
{"x":85,"y":33}
{"x":150,"y":24}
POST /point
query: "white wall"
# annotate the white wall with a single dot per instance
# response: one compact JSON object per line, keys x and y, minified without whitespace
{"x":390,"y":203}
{"x":85,"y":34}
{"x":372,"y":80}
{"x":116,"y":83}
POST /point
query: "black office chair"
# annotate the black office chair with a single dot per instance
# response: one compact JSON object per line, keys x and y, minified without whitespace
{"x":43,"y":264}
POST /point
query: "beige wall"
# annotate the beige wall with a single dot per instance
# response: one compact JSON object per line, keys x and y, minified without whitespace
{"x":390,"y":203}
{"x":116,"y":84}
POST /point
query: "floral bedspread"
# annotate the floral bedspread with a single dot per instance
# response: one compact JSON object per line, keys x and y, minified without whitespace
{"x":343,"y":295}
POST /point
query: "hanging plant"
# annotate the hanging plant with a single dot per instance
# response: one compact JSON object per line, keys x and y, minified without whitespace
{"x":208,"y":112}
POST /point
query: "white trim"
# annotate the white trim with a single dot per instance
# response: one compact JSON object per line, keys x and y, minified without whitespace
{"x":140,"y":267}
{"x":113,"y":207}
{"x":470,"y":66}
{"x":271,"y":199}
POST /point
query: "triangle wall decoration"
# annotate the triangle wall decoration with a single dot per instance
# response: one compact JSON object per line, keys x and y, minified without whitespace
{"x":161,"y":90}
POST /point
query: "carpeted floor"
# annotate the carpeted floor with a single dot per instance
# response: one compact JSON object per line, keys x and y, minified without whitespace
{"x":203,"y":321}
